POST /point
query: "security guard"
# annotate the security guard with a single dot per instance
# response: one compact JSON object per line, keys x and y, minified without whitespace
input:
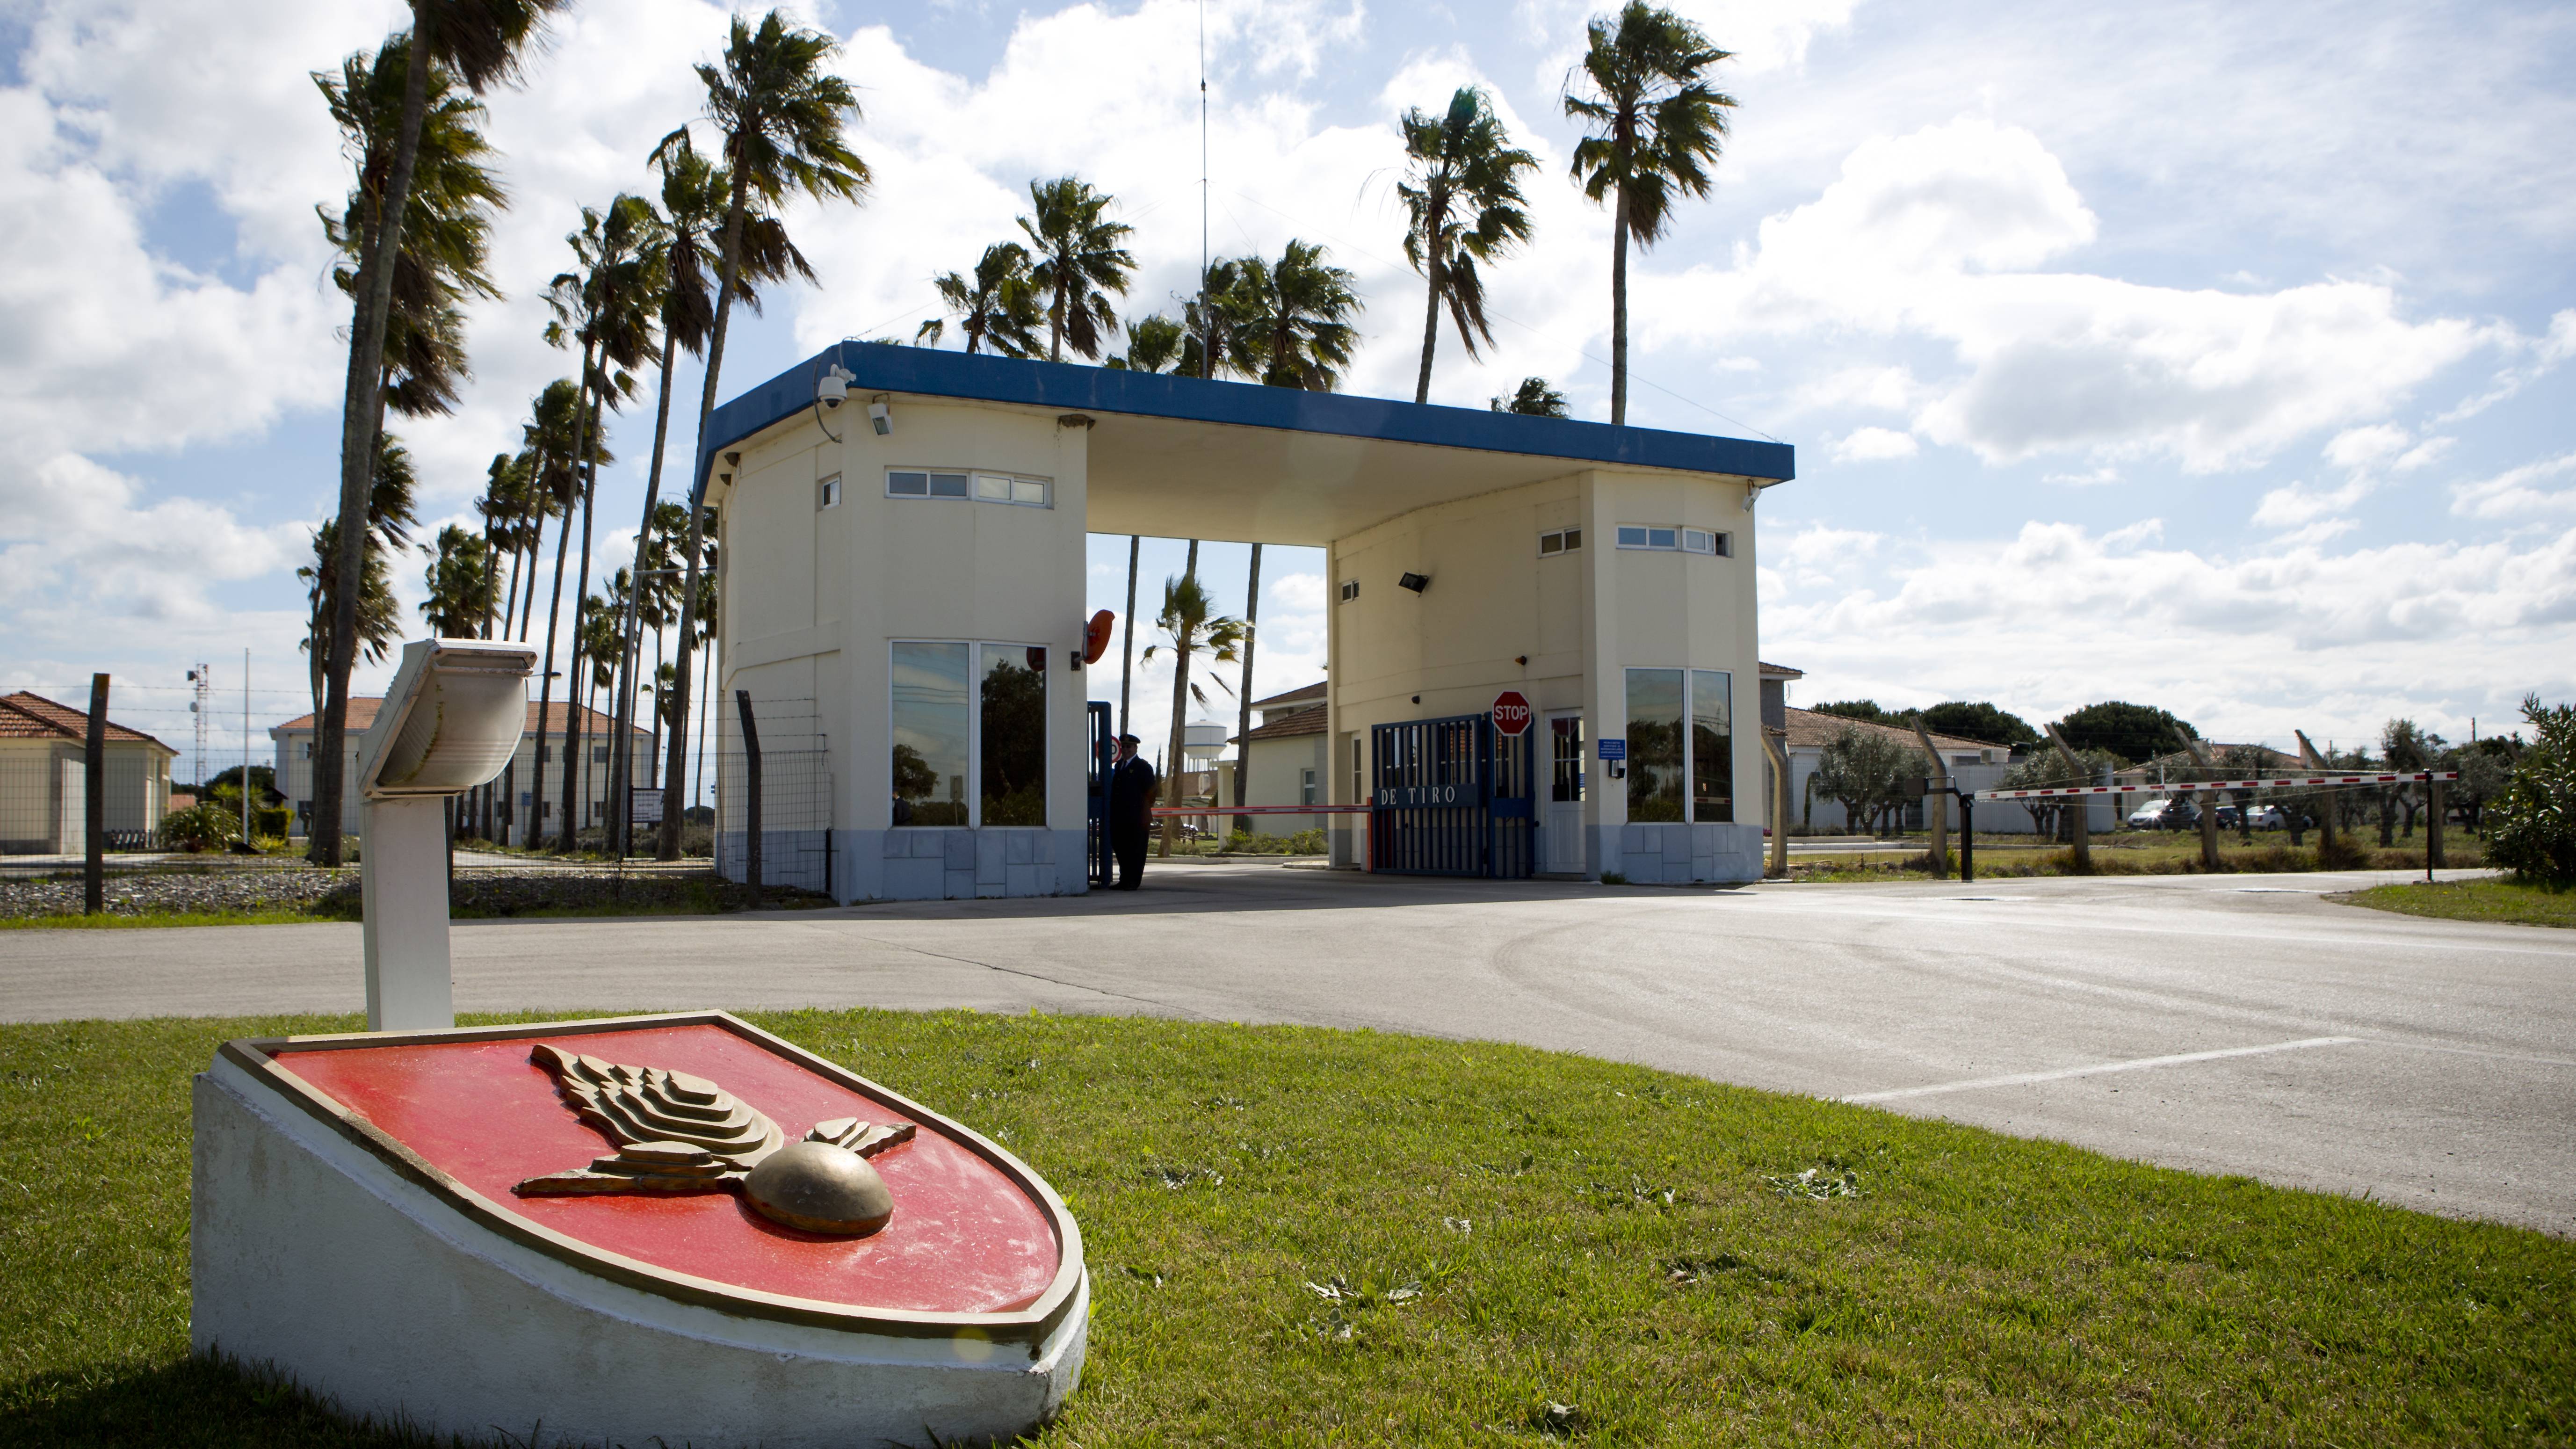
{"x":1131,"y":795}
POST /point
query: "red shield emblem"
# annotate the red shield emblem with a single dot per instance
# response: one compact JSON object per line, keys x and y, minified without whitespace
{"x":976,"y":1240}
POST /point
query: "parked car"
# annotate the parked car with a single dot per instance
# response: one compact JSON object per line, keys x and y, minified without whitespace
{"x":2266,"y":817}
{"x":2227,"y":815}
{"x":2158,"y":815}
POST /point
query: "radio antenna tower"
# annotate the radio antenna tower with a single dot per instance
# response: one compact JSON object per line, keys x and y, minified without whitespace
{"x":1207,"y":310}
{"x":200,"y":678}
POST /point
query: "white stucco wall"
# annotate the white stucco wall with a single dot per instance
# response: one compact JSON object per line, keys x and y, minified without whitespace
{"x":814,"y":598}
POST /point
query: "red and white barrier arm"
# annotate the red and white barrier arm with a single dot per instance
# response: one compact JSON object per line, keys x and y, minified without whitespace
{"x":1260,"y":810}
{"x":2185,"y":787}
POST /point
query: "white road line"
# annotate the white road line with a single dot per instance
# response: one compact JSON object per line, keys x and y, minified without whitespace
{"x":2018,"y":1079}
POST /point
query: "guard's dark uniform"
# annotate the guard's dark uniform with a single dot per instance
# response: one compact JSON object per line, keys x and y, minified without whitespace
{"x":1131,"y":795}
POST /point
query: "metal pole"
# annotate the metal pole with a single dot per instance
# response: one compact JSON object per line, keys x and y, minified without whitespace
{"x":751,"y":793}
{"x":2432,"y":826}
{"x":1967,"y":835}
{"x":246,"y":750}
{"x":94,"y":801}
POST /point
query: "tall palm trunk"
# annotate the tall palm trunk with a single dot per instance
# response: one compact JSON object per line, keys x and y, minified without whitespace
{"x":576,"y":786}
{"x":1127,"y":634}
{"x":621,"y":781}
{"x":1173,"y":763}
{"x":1436,"y":209}
{"x":735,"y":208}
{"x":1619,"y":312}
{"x":1243,"y":701}
{"x":546,"y":685}
{"x":360,"y":409}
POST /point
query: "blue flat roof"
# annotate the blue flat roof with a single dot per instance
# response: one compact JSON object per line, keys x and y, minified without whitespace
{"x":1077,"y":387}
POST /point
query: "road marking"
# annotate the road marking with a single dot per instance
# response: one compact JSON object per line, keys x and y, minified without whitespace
{"x":2019,"y":1079}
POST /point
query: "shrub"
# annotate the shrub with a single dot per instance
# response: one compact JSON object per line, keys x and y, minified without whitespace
{"x":2531,"y":826}
{"x":206,"y":826}
{"x":2342,"y":853}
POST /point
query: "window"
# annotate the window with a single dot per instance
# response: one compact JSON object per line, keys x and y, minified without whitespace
{"x":599,"y":754}
{"x":1306,"y":788}
{"x":925,"y":485}
{"x":1563,"y":540}
{"x":308,"y":750}
{"x":939,"y":730}
{"x":982,"y":487}
{"x":1680,"y":540}
{"x":828,"y":492}
{"x":1359,"y":772}
{"x":1712,"y":747}
{"x":1655,"y":744}
{"x":545,"y":754}
{"x":1350,"y":590}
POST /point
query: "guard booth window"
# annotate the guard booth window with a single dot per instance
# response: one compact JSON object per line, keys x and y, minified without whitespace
{"x":1661,"y":754}
{"x":954,"y":745}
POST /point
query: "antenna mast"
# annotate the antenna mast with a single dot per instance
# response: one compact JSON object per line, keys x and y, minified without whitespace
{"x":1207,"y":313}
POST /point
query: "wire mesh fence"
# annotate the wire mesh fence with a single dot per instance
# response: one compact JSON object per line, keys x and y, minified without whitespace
{"x":795,"y":805}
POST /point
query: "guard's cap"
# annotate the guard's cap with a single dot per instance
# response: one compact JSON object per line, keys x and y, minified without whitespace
{"x":1129,"y":740}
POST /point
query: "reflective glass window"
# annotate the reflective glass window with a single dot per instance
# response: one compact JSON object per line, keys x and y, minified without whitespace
{"x":908,"y":485}
{"x":930,"y":723}
{"x":1712,"y":747}
{"x":1654,"y":744}
{"x":947,"y":485}
{"x":1013,"y":751}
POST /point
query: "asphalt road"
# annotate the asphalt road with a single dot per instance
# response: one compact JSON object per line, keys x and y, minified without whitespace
{"x":2230,"y":1024}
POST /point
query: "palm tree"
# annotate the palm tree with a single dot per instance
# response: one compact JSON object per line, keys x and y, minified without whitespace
{"x":1077,"y":262}
{"x":695,"y":192}
{"x":1463,"y":194}
{"x":1297,"y":326}
{"x":479,"y":42}
{"x":780,"y":114}
{"x":390,"y":519}
{"x":607,"y":307}
{"x":557,"y":437}
{"x":447,"y":225}
{"x":459,"y":578}
{"x":1154,"y":344}
{"x":1243,"y":696}
{"x":1220,"y":324}
{"x":1656,"y":123}
{"x":997,"y":307}
{"x":1190,"y":624}
{"x":1534,"y":398}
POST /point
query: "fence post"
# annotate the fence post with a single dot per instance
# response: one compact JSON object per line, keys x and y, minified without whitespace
{"x":2081,"y":804}
{"x":1939,"y":801}
{"x":751,"y":792}
{"x":94,"y":800}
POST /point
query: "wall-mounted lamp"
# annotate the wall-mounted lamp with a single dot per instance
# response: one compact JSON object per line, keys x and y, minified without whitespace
{"x":1521,"y":659}
{"x":880,"y":416}
{"x":1415,"y":582}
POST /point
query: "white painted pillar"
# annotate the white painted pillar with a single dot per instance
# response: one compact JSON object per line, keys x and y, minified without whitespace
{"x":402,"y":874}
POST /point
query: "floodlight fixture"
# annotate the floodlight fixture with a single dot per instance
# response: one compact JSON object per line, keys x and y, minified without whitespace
{"x":880,"y":415}
{"x":1416,"y":582}
{"x":451,"y":721}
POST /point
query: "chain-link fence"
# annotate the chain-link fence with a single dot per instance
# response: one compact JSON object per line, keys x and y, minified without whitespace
{"x":795,"y":767}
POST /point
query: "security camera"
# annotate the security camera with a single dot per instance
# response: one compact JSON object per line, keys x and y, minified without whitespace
{"x":833,"y":387}
{"x":880,"y":417}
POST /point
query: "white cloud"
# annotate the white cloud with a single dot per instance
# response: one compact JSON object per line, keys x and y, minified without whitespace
{"x":2091,"y":478}
{"x":2511,"y":492}
{"x":1301,"y":592}
{"x":1873,"y":445}
{"x":2296,"y":503}
{"x":1936,"y":235}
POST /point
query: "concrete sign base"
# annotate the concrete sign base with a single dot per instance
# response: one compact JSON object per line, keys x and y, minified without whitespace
{"x":353,"y":1239}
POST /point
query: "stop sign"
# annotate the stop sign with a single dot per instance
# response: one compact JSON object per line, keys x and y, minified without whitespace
{"x":1511,"y":712}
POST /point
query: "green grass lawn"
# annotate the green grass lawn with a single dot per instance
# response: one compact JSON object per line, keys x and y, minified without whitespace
{"x":2475,"y":900}
{"x":1301,"y":1236}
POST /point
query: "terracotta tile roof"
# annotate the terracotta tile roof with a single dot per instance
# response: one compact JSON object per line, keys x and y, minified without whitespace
{"x":1311,"y":694}
{"x":362,"y":715}
{"x":1300,"y":722}
{"x":1778,"y":671}
{"x":26,"y":716}
{"x":1811,"y":730}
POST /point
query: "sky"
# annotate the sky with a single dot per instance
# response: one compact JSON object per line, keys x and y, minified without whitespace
{"x":2216,"y":357}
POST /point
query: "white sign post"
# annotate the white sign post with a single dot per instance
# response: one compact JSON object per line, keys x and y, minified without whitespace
{"x":450,"y":722}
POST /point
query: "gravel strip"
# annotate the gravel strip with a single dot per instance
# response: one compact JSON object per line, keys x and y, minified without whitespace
{"x":334,"y":894}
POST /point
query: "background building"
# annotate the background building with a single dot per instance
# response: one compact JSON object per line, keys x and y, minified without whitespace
{"x":1288,"y":756}
{"x":43,"y":776}
{"x":294,"y":741}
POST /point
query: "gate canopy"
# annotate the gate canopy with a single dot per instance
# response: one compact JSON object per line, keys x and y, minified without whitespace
{"x":1240,"y":462}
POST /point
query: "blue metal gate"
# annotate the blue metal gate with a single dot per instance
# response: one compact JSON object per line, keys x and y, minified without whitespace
{"x":1452,"y":797}
{"x":1095,"y":826}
